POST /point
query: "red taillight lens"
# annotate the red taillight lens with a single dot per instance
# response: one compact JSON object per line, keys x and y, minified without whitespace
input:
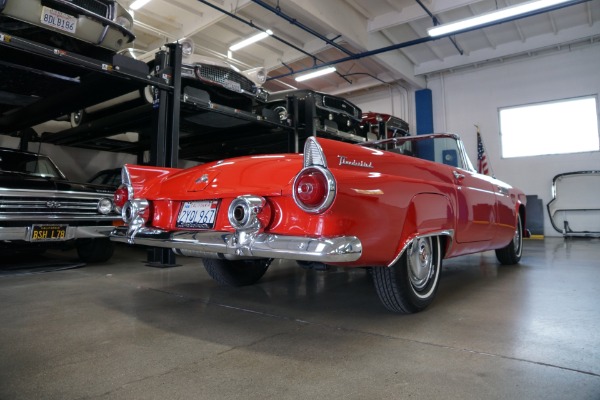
{"x":311,"y":188}
{"x":314,"y":189}
{"x":121,"y":196}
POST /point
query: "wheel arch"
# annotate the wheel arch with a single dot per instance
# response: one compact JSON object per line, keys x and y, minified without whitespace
{"x":428,"y":214}
{"x":523,"y":213}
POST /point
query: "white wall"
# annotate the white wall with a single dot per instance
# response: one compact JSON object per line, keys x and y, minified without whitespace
{"x":472,"y":97}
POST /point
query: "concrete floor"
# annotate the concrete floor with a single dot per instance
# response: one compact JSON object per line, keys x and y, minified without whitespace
{"x":123,"y":330}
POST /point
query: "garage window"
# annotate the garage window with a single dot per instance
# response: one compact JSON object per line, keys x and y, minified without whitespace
{"x":556,"y":127}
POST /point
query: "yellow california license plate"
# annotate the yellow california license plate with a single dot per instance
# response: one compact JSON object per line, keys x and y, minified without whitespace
{"x":45,"y":233}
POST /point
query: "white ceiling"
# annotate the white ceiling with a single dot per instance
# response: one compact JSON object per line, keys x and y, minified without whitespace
{"x":358,"y":26}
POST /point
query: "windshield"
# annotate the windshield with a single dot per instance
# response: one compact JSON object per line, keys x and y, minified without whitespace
{"x":30,"y":164}
{"x":442,"y":148}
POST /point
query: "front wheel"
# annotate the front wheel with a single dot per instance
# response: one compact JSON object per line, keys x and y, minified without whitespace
{"x":236,"y":272}
{"x":511,"y":254}
{"x":410,"y":284}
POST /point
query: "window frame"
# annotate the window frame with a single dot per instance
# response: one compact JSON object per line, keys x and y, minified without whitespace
{"x":547,"y":102}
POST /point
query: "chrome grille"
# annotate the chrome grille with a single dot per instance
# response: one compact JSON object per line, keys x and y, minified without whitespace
{"x":95,"y":6}
{"x":49,"y":207}
{"x":223,"y":76}
{"x":344,"y":106}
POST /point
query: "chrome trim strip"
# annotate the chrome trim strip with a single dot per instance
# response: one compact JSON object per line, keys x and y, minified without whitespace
{"x":7,"y":192}
{"x":46,"y":218}
{"x":261,"y":245}
{"x":447,"y":232}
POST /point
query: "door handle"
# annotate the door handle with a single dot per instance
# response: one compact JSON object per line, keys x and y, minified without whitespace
{"x":458,"y":175}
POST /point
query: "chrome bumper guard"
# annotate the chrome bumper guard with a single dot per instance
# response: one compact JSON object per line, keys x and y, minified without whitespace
{"x":242,"y":244}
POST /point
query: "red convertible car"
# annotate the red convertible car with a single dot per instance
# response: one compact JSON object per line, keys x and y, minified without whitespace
{"x":397,"y":206}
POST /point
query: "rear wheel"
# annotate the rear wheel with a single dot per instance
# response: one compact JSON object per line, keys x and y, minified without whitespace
{"x":95,"y":250}
{"x":511,"y":254}
{"x":236,"y":272}
{"x":410,"y":284}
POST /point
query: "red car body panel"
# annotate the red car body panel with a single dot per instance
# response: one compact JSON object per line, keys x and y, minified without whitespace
{"x":383,"y":198}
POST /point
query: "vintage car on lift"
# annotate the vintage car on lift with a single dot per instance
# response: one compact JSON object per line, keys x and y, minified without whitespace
{"x":316,"y":113}
{"x":398,"y":206}
{"x":97,"y":28}
{"x":205,"y":81}
{"x":383,"y":126}
{"x":40,"y":209}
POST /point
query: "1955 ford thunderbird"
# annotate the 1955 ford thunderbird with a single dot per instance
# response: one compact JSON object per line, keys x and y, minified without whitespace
{"x":397,"y":206}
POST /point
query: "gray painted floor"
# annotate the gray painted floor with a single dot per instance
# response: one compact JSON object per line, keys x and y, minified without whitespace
{"x":123,"y":330}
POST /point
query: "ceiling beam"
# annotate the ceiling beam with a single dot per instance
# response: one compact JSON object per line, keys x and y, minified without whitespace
{"x":412,"y":13}
{"x":341,"y":18}
{"x":536,"y":43}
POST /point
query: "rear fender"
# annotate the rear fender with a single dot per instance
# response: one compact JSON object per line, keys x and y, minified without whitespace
{"x":428,"y":214}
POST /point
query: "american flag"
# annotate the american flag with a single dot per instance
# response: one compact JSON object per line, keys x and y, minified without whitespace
{"x":482,"y":162}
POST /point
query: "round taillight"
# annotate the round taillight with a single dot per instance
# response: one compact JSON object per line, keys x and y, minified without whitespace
{"x":314,"y":189}
{"x":311,"y":188}
{"x":121,"y":196}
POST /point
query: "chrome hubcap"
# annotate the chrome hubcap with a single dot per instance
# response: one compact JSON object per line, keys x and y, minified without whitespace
{"x":420,"y":263}
{"x":517,"y":240}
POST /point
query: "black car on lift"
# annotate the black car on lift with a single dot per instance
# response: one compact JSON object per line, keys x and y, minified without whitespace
{"x":316,"y":113}
{"x":40,"y":208}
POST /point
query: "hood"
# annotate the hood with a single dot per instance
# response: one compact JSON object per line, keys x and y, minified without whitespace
{"x":15,"y":180}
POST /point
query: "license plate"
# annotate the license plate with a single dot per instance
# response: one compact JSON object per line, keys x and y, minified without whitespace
{"x":48,"y":233}
{"x":197,"y":214}
{"x":58,"y":20}
{"x":231,"y":85}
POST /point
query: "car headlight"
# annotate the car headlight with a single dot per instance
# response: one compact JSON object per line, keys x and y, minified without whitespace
{"x":124,"y":22}
{"x":261,"y":76}
{"x":105,"y":206}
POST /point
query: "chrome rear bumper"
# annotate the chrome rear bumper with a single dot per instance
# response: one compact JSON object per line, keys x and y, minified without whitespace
{"x":243,"y":245}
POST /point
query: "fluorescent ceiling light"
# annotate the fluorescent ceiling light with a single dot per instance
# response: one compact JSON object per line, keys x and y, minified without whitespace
{"x":494,"y":16}
{"x":138,"y":4}
{"x":314,"y":74}
{"x":251,"y":39}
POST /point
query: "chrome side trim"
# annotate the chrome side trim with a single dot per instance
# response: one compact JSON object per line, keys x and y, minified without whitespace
{"x":447,"y":232}
{"x":8,"y":192}
{"x":261,"y":245}
{"x":45,"y":218}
